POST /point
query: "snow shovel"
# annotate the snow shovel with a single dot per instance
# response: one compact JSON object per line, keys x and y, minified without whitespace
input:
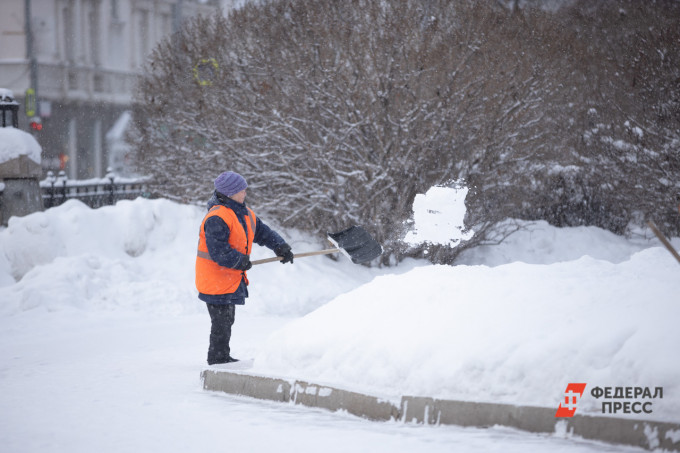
{"x":354,"y":242}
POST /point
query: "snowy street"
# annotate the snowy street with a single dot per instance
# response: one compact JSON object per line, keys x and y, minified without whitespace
{"x":125,"y":383}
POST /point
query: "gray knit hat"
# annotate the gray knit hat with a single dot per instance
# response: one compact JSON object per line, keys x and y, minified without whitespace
{"x":230,"y":183}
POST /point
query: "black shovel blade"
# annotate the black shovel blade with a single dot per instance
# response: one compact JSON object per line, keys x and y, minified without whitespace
{"x":357,"y":244}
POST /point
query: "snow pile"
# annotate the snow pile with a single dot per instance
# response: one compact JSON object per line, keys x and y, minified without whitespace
{"x":140,"y":255}
{"x":516,"y":333}
{"x":540,"y":243}
{"x":15,"y":142}
{"x":73,"y":256}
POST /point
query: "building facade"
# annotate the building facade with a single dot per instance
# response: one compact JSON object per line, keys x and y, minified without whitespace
{"x":73,"y":65}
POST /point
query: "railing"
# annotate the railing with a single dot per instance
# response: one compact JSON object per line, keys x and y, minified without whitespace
{"x":93,"y":192}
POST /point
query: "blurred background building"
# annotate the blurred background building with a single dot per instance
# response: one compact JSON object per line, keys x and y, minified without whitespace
{"x":72,"y":66}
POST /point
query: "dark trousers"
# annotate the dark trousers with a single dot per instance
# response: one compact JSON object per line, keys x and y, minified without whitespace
{"x":222,"y":318}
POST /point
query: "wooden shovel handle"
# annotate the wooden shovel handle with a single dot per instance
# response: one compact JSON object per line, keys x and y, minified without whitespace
{"x":297,"y":255}
{"x":663,"y":240}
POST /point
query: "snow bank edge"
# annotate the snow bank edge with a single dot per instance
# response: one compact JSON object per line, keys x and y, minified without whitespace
{"x":423,"y":410}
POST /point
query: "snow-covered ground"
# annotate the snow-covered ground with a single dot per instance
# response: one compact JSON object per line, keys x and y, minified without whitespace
{"x":103,"y":338}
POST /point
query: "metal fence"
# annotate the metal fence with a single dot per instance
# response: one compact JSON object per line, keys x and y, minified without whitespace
{"x":93,"y":192}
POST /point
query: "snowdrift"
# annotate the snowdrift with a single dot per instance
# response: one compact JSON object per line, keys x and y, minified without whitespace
{"x":517,"y":333}
{"x":139,"y":255}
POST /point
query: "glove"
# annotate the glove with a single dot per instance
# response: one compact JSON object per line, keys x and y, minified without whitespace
{"x":284,"y":252}
{"x":245,"y":264}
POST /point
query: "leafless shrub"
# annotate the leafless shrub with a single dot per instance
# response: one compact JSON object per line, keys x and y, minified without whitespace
{"x":341,"y":112}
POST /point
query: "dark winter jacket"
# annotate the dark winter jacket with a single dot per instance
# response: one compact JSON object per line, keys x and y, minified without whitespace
{"x":217,"y":240}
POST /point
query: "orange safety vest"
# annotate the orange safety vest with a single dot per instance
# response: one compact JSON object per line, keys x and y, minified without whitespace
{"x":211,"y":278}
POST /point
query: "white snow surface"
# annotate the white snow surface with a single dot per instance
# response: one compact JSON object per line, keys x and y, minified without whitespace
{"x":517,"y":333}
{"x":438,"y":217}
{"x":103,"y":338}
{"x":15,"y":142}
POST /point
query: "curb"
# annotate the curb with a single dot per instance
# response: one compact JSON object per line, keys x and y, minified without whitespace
{"x":639,"y":433}
{"x":259,"y":387}
{"x":333,"y":399}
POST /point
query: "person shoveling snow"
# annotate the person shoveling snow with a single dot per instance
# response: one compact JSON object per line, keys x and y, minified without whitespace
{"x":225,"y":242}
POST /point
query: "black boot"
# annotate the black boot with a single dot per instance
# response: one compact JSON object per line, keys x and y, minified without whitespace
{"x":219,"y":362}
